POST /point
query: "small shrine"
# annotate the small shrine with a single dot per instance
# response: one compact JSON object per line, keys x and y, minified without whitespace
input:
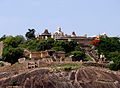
{"x":45,"y":35}
{"x":73,"y":34}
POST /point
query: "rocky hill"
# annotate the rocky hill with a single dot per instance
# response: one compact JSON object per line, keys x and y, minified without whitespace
{"x":84,"y":77}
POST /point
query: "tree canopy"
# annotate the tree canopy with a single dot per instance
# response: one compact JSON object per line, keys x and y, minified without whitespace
{"x":30,"y":34}
{"x":14,"y":46}
{"x":110,"y":47}
{"x":107,"y":45}
{"x":12,"y":52}
{"x":78,"y":55}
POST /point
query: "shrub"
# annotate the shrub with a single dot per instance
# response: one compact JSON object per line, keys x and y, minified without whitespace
{"x":77,"y":55}
{"x":1,"y":64}
{"x":67,"y":68}
{"x":114,"y":67}
{"x":59,"y":48}
{"x":14,"y":83}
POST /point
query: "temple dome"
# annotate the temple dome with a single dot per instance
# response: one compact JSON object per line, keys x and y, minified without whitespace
{"x":58,"y":33}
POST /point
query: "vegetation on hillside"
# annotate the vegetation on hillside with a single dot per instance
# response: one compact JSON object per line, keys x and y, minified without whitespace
{"x":12,"y":50}
{"x":110,"y":47}
{"x":78,"y":55}
{"x":14,"y":46}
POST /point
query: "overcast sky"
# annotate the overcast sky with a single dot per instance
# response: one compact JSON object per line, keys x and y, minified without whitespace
{"x":90,"y":17}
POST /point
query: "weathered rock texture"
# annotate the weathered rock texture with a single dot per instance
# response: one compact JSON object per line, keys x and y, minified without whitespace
{"x":86,"y":77}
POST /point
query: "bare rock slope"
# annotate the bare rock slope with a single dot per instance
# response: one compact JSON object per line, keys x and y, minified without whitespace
{"x":85,"y":77}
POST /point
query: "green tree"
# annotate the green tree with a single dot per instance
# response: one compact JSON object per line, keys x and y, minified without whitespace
{"x":31,"y":45}
{"x":110,"y":47}
{"x":10,"y":41}
{"x":19,"y":39}
{"x":112,"y":55}
{"x":60,"y":44}
{"x":11,"y":54}
{"x":30,"y":34}
{"x":59,"y":48}
{"x":107,"y":45}
{"x":14,"y":41}
{"x":42,"y":46}
{"x":45,"y":45}
{"x":3,"y":38}
{"x":66,"y":45}
{"x":49,"y":43}
{"x":72,"y":45}
{"x":38,"y":45}
{"x":78,"y":55}
{"x":78,"y":48}
{"x":116,"y":61}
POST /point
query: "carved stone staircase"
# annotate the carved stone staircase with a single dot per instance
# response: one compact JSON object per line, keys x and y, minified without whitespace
{"x":92,"y":53}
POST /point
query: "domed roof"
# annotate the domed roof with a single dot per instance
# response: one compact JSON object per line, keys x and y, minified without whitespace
{"x":59,"y":32}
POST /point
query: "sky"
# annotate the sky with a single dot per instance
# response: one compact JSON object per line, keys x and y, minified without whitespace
{"x":91,"y":17}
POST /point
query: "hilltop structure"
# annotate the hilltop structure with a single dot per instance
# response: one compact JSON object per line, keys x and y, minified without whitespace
{"x":44,"y":35}
{"x":84,"y":40}
{"x":60,"y":35}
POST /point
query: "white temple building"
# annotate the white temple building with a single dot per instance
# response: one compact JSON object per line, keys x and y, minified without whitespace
{"x":58,"y":33}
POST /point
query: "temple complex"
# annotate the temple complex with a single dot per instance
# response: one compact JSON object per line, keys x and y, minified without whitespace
{"x":44,"y":35}
{"x":83,"y":40}
{"x":60,"y":35}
